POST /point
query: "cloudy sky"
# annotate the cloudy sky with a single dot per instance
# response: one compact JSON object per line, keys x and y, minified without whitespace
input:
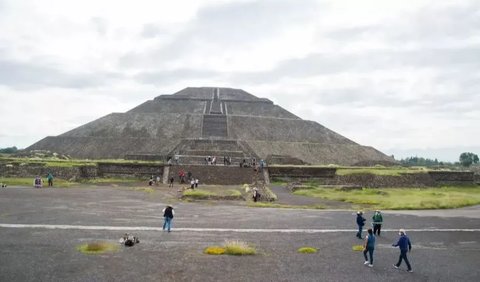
{"x":402,"y":76}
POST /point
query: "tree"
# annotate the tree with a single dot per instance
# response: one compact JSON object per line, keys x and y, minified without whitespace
{"x":9,"y":150}
{"x":467,"y":159}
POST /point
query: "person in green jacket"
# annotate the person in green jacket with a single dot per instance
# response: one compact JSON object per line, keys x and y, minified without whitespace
{"x":377,"y":222}
{"x":50,"y":179}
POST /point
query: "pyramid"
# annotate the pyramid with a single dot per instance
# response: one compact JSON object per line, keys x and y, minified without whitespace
{"x":210,"y":121}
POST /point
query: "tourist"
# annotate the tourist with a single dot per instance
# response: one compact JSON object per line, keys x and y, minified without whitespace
{"x":50,"y":179}
{"x":377,"y":222}
{"x":192,"y":184}
{"x":168,"y":214}
{"x":150,"y":181}
{"x":405,"y":246}
{"x":214,"y":161}
{"x":171,"y":181}
{"x":37,"y":182}
{"x":181,"y":176}
{"x":255,"y":194}
{"x":196,"y":182}
{"x":157,"y":180}
{"x":360,"y":222}
{"x":369,"y":247}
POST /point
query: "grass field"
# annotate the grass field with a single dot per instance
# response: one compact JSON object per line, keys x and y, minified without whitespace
{"x":400,"y":198}
{"x":28,"y":181}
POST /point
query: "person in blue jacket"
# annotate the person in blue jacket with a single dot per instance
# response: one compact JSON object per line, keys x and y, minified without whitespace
{"x":405,"y":246}
{"x":360,"y":223}
{"x":369,"y":246}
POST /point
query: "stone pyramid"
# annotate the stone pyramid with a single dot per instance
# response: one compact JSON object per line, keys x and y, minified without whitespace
{"x":210,"y":121}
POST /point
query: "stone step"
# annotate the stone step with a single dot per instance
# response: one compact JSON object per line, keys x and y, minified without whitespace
{"x":214,"y":125}
{"x":200,"y":160}
{"x":217,"y":153}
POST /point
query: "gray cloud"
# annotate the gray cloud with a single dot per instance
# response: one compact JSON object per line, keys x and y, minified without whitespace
{"x":231,"y":25}
{"x":33,"y":75}
{"x":162,"y":77}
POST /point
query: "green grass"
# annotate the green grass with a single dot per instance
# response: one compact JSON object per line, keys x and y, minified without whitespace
{"x":97,"y":248}
{"x":401,"y":198}
{"x":357,"y":248}
{"x":307,"y":250}
{"x":199,"y":194}
{"x":239,"y":248}
{"x":214,"y":250}
{"x":111,"y":180}
{"x":282,"y":206}
{"x":28,"y":181}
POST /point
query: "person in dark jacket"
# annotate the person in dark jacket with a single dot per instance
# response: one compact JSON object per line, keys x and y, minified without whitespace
{"x":168,"y":213}
{"x":360,"y":223}
{"x":369,"y":247}
{"x":404,"y":246}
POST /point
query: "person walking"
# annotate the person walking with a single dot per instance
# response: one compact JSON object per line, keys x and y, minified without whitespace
{"x":377,"y":222}
{"x":168,"y":213}
{"x":50,"y":179}
{"x":360,"y":222}
{"x":405,"y":246}
{"x":171,"y":182}
{"x":369,"y":247}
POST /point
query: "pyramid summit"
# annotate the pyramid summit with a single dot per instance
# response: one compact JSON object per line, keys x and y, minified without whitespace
{"x":210,"y":121}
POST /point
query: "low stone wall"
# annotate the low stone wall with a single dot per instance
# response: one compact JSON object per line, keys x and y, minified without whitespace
{"x":302,"y":172}
{"x":129,"y":170}
{"x":221,"y":175}
{"x":376,"y":181}
{"x":32,"y":170}
{"x":327,"y":176}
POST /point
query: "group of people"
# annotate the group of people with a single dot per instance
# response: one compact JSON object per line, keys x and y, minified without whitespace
{"x":38,"y":181}
{"x":154,"y":180}
{"x":403,"y":242}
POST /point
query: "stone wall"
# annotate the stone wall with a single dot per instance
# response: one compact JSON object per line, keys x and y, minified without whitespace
{"x":327,"y":176}
{"x":129,"y":170}
{"x":32,"y":170}
{"x":302,"y":172}
{"x":221,"y":175}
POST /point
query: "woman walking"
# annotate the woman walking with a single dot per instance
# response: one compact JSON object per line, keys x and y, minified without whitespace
{"x":369,"y":247}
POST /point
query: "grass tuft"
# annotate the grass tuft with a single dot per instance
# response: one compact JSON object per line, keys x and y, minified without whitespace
{"x":357,"y":248}
{"x":97,"y":248}
{"x":307,"y":250}
{"x":214,"y":250}
{"x":239,"y":248}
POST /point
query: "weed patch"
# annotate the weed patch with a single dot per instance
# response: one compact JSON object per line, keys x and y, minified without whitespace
{"x":307,"y":250}
{"x":97,"y":248}
{"x":239,"y":248}
{"x":357,"y":248}
{"x":214,"y":250}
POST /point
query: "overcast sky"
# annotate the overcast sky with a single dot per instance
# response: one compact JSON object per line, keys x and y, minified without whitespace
{"x":401,"y":76}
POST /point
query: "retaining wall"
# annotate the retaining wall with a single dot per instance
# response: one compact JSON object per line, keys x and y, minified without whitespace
{"x":221,"y":175}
